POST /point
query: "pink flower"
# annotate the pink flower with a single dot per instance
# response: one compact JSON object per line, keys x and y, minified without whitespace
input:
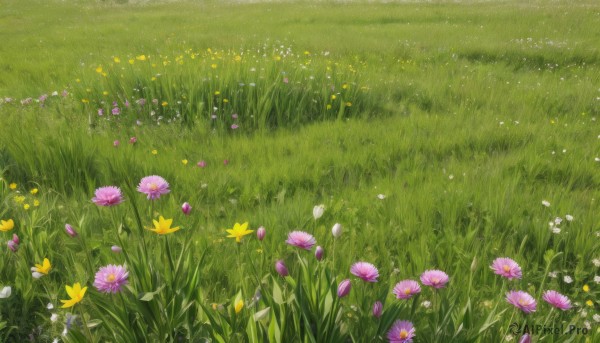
{"x":402,"y":331}
{"x":377,"y":309}
{"x":434,"y":278}
{"x":365,"y":271}
{"x":70,"y":231}
{"x":12,"y":245}
{"x":319,"y":253}
{"x":108,"y":196}
{"x":100,"y":112}
{"x":111,"y":278}
{"x":186,"y":208}
{"x":557,"y":300}
{"x":521,"y":300}
{"x":225,"y":162}
{"x":16,"y":238}
{"x":116,"y":111}
{"x":116,"y":143}
{"x":153,"y":186}
{"x":526,"y":338}
{"x":344,"y":288}
{"x":234,"y":126}
{"x":132,"y":140}
{"x":406,"y":289}
{"x":281,"y":268}
{"x":506,"y":267}
{"x":201,"y":164}
{"x":301,"y":239}
{"x":260,"y":233}
{"x":116,"y":249}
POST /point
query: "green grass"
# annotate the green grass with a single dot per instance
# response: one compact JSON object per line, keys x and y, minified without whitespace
{"x":464,"y":116}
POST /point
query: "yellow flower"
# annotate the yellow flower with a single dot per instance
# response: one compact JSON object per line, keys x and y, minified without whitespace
{"x":185,"y":162}
{"x":6,"y":225}
{"x":345,"y":86}
{"x":586,"y":288}
{"x":163,"y":226}
{"x":33,"y":191}
{"x":333,"y":97}
{"x":154,"y":152}
{"x":85,"y":101}
{"x":76,"y":293}
{"x":239,"y":231}
{"x":131,"y":61}
{"x":348,"y":104}
{"x":589,"y":303}
{"x":12,"y":186}
{"x":328,"y":106}
{"x":117,"y":60}
{"x":237,"y":58}
{"x":36,"y":203}
{"x":19,"y":199}
{"x":214,"y":66}
{"x":141,"y":57}
{"x":26,"y":207}
{"x":225,"y":101}
{"x":43,"y":268}
{"x":99,"y":70}
{"x":164,"y":103}
{"x":217,"y":93}
{"x":239,"y":305}
{"x":105,"y":93}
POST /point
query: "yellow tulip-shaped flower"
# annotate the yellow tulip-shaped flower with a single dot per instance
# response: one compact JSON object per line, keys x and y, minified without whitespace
{"x":76,"y":293}
{"x":6,"y":225}
{"x":41,"y":269}
{"x":239,"y":305}
{"x":239,"y":231}
{"x":163,"y":226}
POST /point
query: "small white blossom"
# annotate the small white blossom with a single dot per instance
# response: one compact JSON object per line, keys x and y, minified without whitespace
{"x":587,"y":325}
{"x":5,"y":292}
{"x":557,"y":220}
{"x":426,"y":304}
{"x":318,"y":211}
{"x":509,"y":337}
{"x":597,"y":278}
{"x":336,"y":230}
{"x":596,"y":317}
{"x":380,"y":196}
{"x":546,"y":203}
{"x":55,"y":340}
{"x":556,"y":230}
{"x":569,"y":217}
{"x":596,"y":262}
{"x":54,"y":317}
{"x":553,"y":275}
{"x":567,"y":279}
{"x":583,"y":313}
{"x":50,"y":306}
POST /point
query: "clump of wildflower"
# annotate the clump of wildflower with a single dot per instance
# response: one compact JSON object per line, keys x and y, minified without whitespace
{"x":402,"y":331}
{"x":281,"y":268}
{"x":506,"y":267}
{"x":108,"y":196}
{"x":521,"y":300}
{"x":111,"y":279}
{"x":365,"y":270}
{"x":301,"y":239}
{"x":405,"y":289}
{"x":434,"y":278}
{"x":557,"y":300}
{"x":153,"y":186}
{"x":6,"y":225}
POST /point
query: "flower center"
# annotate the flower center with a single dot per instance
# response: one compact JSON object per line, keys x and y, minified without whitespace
{"x":153,"y":186}
{"x":110,"y":277}
{"x":435,"y":280}
{"x":407,"y":291}
{"x":403,"y":334}
{"x":506,"y":268}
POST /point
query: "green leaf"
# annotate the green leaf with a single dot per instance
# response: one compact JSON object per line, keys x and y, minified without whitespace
{"x":148,"y":296}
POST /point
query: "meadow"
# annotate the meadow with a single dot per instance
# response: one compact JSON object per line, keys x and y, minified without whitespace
{"x":299,"y":171}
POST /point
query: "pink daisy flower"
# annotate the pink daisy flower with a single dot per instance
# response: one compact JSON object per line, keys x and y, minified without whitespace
{"x":301,"y":239}
{"x":506,"y":267}
{"x":434,"y":278}
{"x":521,"y":300}
{"x":402,"y":331}
{"x":406,"y":289}
{"x":111,"y":279}
{"x":153,"y":186}
{"x":108,"y":196}
{"x":557,"y":300}
{"x":365,"y":271}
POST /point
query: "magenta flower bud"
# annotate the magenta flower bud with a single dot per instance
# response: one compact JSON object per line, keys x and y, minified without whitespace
{"x":186,"y":208}
{"x":201,"y":164}
{"x":260,"y":233}
{"x":281,"y":268}
{"x":225,"y":162}
{"x":116,"y":249}
{"x":116,"y":143}
{"x":70,"y":230}
{"x":16,"y":239}
{"x":12,"y":245}
{"x":344,"y":288}
{"x":377,"y":309}
{"x":526,"y":338}
{"x":132,"y":140}
{"x":319,"y":253}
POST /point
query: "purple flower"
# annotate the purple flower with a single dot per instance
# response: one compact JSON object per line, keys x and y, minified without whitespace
{"x":260,"y":233}
{"x":127,"y":104}
{"x":201,"y":164}
{"x":434,"y":278}
{"x":402,"y":331}
{"x":405,"y":289}
{"x":234,"y":126}
{"x":281,"y":268}
{"x":70,"y":231}
{"x":319,"y":253}
{"x":132,"y":140}
{"x":43,"y":97}
{"x":116,"y":249}
{"x":365,"y":271}
{"x":108,"y":196}
{"x":16,"y":238}
{"x":12,"y":245}
{"x":153,"y":186}
{"x":111,"y":278}
{"x":506,"y":267}
{"x":344,"y":288}
{"x":557,"y":300}
{"x":301,"y":239}
{"x":116,"y":143}
{"x":234,"y":116}
{"x":186,"y":208}
{"x":377,"y":309}
{"x":521,"y":300}
{"x":100,"y":112}
{"x":141,"y":101}
{"x":225,"y":162}
{"x":116,"y":111}
{"x":526,"y":338}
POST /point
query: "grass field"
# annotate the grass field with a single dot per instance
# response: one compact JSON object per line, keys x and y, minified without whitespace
{"x":440,"y":135}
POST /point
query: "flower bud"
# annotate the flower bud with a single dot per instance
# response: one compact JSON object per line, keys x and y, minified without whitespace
{"x":70,"y":231}
{"x":526,"y":338}
{"x":116,"y":249}
{"x":281,"y":268}
{"x":336,"y":230}
{"x":319,"y":253}
{"x":318,"y":211}
{"x":12,"y":245}
{"x":16,"y":239}
{"x":186,"y":208}
{"x":377,"y":309}
{"x":344,"y":288}
{"x":260,"y":233}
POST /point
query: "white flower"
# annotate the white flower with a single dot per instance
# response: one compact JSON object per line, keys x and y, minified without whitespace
{"x":596,"y":317}
{"x":567,"y":279}
{"x":546,"y":203}
{"x":36,"y":274}
{"x":583,"y":313}
{"x":318,"y":211}
{"x":426,"y":304}
{"x":54,"y":317}
{"x":597,"y":159}
{"x":556,"y":230}
{"x":380,"y":196}
{"x":587,"y":325}
{"x":569,"y":217}
{"x":336,"y":230}
{"x":49,"y":306}
{"x":557,"y":220}
{"x":55,"y":340}
{"x":65,"y":331}
{"x":553,"y":274}
{"x":509,"y":337}
{"x":596,"y":262}
{"x":5,"y":292}
{"x":597,"y":278}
